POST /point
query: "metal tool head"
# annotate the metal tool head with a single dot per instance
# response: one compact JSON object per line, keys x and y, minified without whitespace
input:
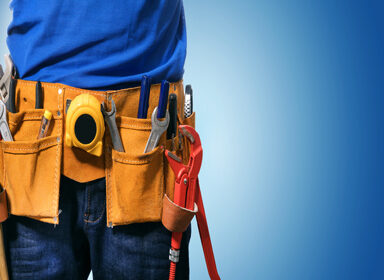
{"x":196,"y":151}
{"x":110,"y":113}
{"x":4,"y":128}
{"x":195,"y":154}
{"x":160,"y":123}
{"x":2,"y":109}
{"x":5,"y":80}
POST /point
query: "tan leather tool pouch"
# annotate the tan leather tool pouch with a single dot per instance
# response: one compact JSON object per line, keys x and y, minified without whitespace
{"x":137,"y":184}
{"x":174,"y":217}
{"x":31,"y":167}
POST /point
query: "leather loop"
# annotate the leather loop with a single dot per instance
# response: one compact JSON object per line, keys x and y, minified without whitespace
{"x":176,"y":218}
{"x":3,"y":206}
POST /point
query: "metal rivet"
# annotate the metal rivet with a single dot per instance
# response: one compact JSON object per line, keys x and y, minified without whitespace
{"x":185,"y":181}
{"x":58,"y":113}
{"x":60,"y":90}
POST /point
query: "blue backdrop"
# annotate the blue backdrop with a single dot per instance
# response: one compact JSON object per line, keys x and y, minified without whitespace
{"x":290,"y":98}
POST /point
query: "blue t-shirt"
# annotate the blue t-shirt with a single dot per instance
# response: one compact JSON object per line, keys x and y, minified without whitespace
{"x":98,"y":44}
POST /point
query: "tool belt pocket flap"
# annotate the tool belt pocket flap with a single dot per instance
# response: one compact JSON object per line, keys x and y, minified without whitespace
{"x":137,"y":178}
{"x":31,"y":166}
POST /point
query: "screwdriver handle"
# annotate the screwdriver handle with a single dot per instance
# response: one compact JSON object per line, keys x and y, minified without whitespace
{"x":39,"y":96}
{"x":172,"y":128}
{"x":164,"y":92}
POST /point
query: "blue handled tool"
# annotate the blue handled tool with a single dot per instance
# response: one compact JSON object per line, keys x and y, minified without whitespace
{"x":144,"y":97}
{"x":163,"y":100}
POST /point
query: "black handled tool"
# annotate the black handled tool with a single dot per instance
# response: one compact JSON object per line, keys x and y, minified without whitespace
{"x":172,"y":128}
{"x":11,"y":107}
{"x":39,"y":96}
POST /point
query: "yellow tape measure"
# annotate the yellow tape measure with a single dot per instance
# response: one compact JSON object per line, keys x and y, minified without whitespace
{"x":85,"y":124}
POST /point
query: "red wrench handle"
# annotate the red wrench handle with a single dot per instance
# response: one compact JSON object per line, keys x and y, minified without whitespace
{"x":205,"y":237}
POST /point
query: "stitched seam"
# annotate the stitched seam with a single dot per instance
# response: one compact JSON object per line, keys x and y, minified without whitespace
{"x":85,"y":91}
{"x":128,"y":126}
{"x":30,"y":118}
{"x":5,"y":182}
{"x":131,"y":91}
{"x":57,"y":86}
{"x":19,"y":82}
{"x":88,"y":211}
{"x":108,"y":187}
{"x":58,"y":158}
{"x":162,"y":186}
{"x":55,"y":192}
{"x":98,"y":219}
{"x":118,"y":159}
{"x":30,"y":149}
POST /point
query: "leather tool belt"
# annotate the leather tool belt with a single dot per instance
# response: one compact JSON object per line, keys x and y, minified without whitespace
{"x":30,"y":169}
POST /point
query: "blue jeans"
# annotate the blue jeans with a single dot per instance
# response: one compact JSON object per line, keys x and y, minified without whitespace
{"x":82,"y":242}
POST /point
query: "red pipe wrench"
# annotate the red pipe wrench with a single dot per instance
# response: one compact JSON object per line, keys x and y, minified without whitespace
{"x":186,"y":195}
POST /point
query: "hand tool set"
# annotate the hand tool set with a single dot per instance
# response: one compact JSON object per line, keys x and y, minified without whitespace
{"x":85,"y":129}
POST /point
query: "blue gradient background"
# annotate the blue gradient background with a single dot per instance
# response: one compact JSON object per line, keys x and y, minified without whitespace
{"x":290,"y":99}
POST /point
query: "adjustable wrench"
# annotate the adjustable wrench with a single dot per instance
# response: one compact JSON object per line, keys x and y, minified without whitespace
{"x":4,"y":128}
{"x":158,"y":128}
{"x":110,"y":119}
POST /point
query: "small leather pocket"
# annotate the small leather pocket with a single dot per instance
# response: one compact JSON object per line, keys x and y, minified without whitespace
{"x":31,"y":169}
{"x":176,"y":218}
{"x":136,"y":187}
